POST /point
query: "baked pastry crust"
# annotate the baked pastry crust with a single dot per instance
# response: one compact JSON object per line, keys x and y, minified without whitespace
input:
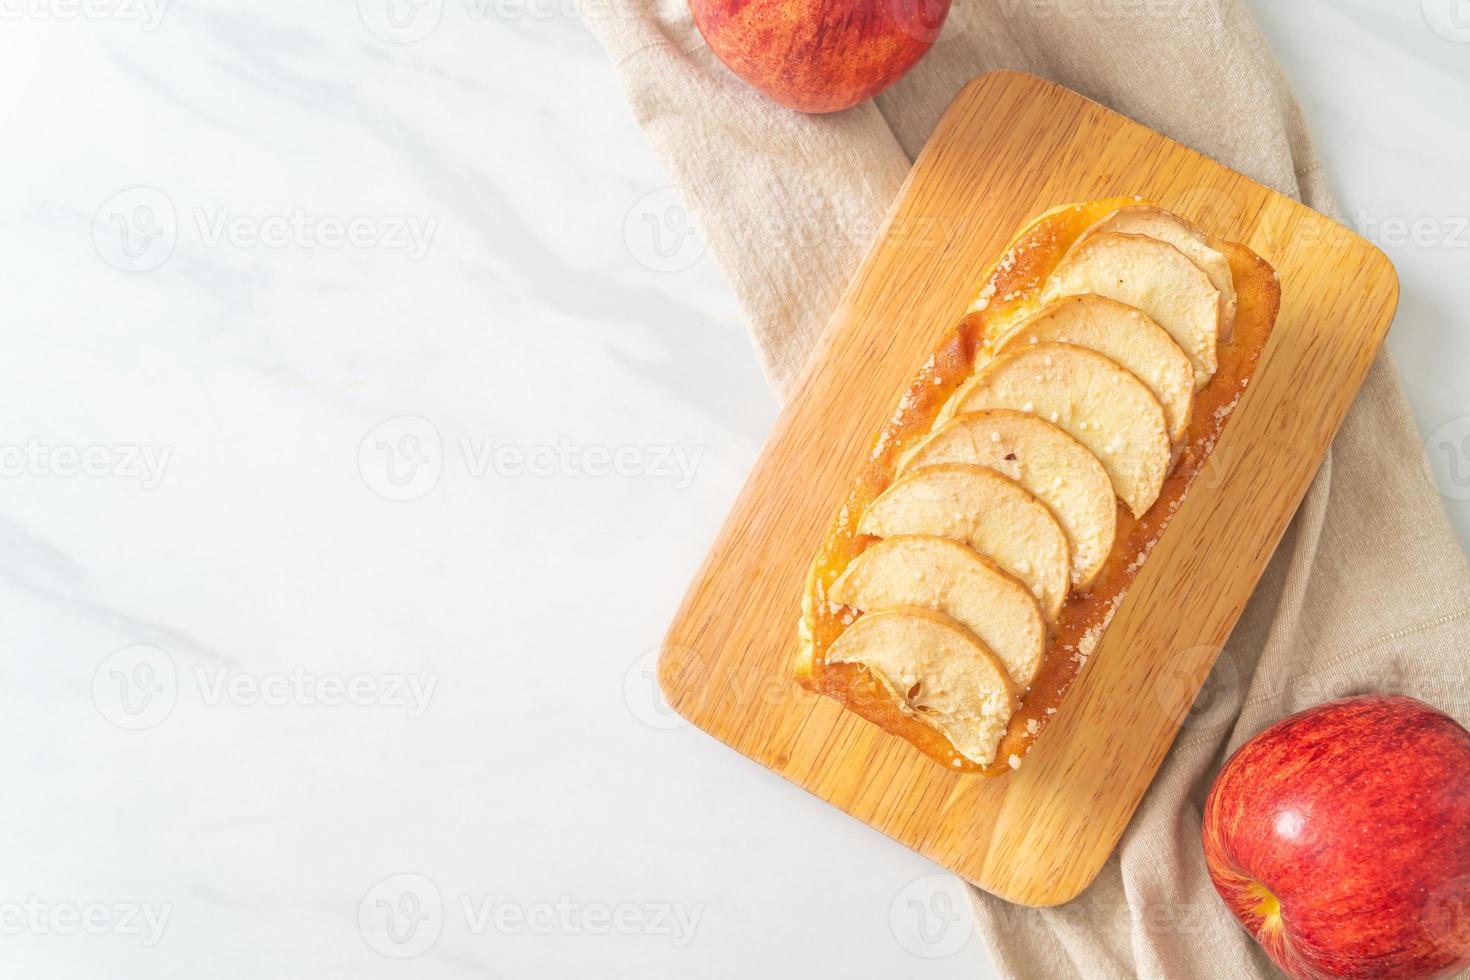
{"x":1012,"y":290}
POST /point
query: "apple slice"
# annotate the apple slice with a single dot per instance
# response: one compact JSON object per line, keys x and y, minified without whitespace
{"x":997,"y":517}
{"x":948,"y":577}
{"x":1154,"y":277}
{"x":1053,"y":466}
{"x":938,"y":672}
{"x":1166,"y":226}
{"x":1090,"y":398}
{"x":1121,"y":334}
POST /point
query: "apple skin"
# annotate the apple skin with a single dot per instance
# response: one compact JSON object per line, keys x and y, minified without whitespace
{"x":820,"y":55}
{"x":1340,"y":838}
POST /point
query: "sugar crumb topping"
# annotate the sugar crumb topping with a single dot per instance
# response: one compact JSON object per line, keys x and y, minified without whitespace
{"x":983,"y":300}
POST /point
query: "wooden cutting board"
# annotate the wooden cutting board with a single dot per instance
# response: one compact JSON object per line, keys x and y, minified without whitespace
{"x":1010,"y":147}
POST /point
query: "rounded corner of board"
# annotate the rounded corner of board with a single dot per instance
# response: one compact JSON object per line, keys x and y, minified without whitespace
{"x":999,"y":77}
{"x":669,"y":675}
{"x":1032,"y":897}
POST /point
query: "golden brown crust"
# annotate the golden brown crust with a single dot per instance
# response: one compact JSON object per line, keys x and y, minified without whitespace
{"x":1011,"y":291}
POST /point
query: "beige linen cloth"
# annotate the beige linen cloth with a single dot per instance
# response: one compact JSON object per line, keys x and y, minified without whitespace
{"x":1369,"y":590}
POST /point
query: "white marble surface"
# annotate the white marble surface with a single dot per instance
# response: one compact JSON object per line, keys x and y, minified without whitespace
{"x":342,"y":511}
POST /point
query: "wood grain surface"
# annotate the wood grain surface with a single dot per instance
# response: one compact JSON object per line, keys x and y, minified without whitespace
{"x":1010,"y":147}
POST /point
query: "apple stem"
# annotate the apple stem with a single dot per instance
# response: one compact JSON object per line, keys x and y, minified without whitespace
{"x":1268,"y":906}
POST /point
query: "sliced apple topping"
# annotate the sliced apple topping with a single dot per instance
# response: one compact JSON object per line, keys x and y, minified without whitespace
{"x":936,"y":671}
{"x":1123,"y":335}
{"x":1053,"y":466}
{"x":951,"y":578}
{"x":1101,"y":326}
{"x":1090,"y":398}
{"x":1166,"y":226}
{"x":994,"y":515}
{"x":1154,"y":277}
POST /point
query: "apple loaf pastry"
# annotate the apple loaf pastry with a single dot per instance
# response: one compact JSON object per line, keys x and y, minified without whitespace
{"x":1034,"y":461}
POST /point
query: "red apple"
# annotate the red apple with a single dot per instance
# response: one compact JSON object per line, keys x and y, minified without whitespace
{"x":1340,"y":838}
{"x":820,"y":55}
